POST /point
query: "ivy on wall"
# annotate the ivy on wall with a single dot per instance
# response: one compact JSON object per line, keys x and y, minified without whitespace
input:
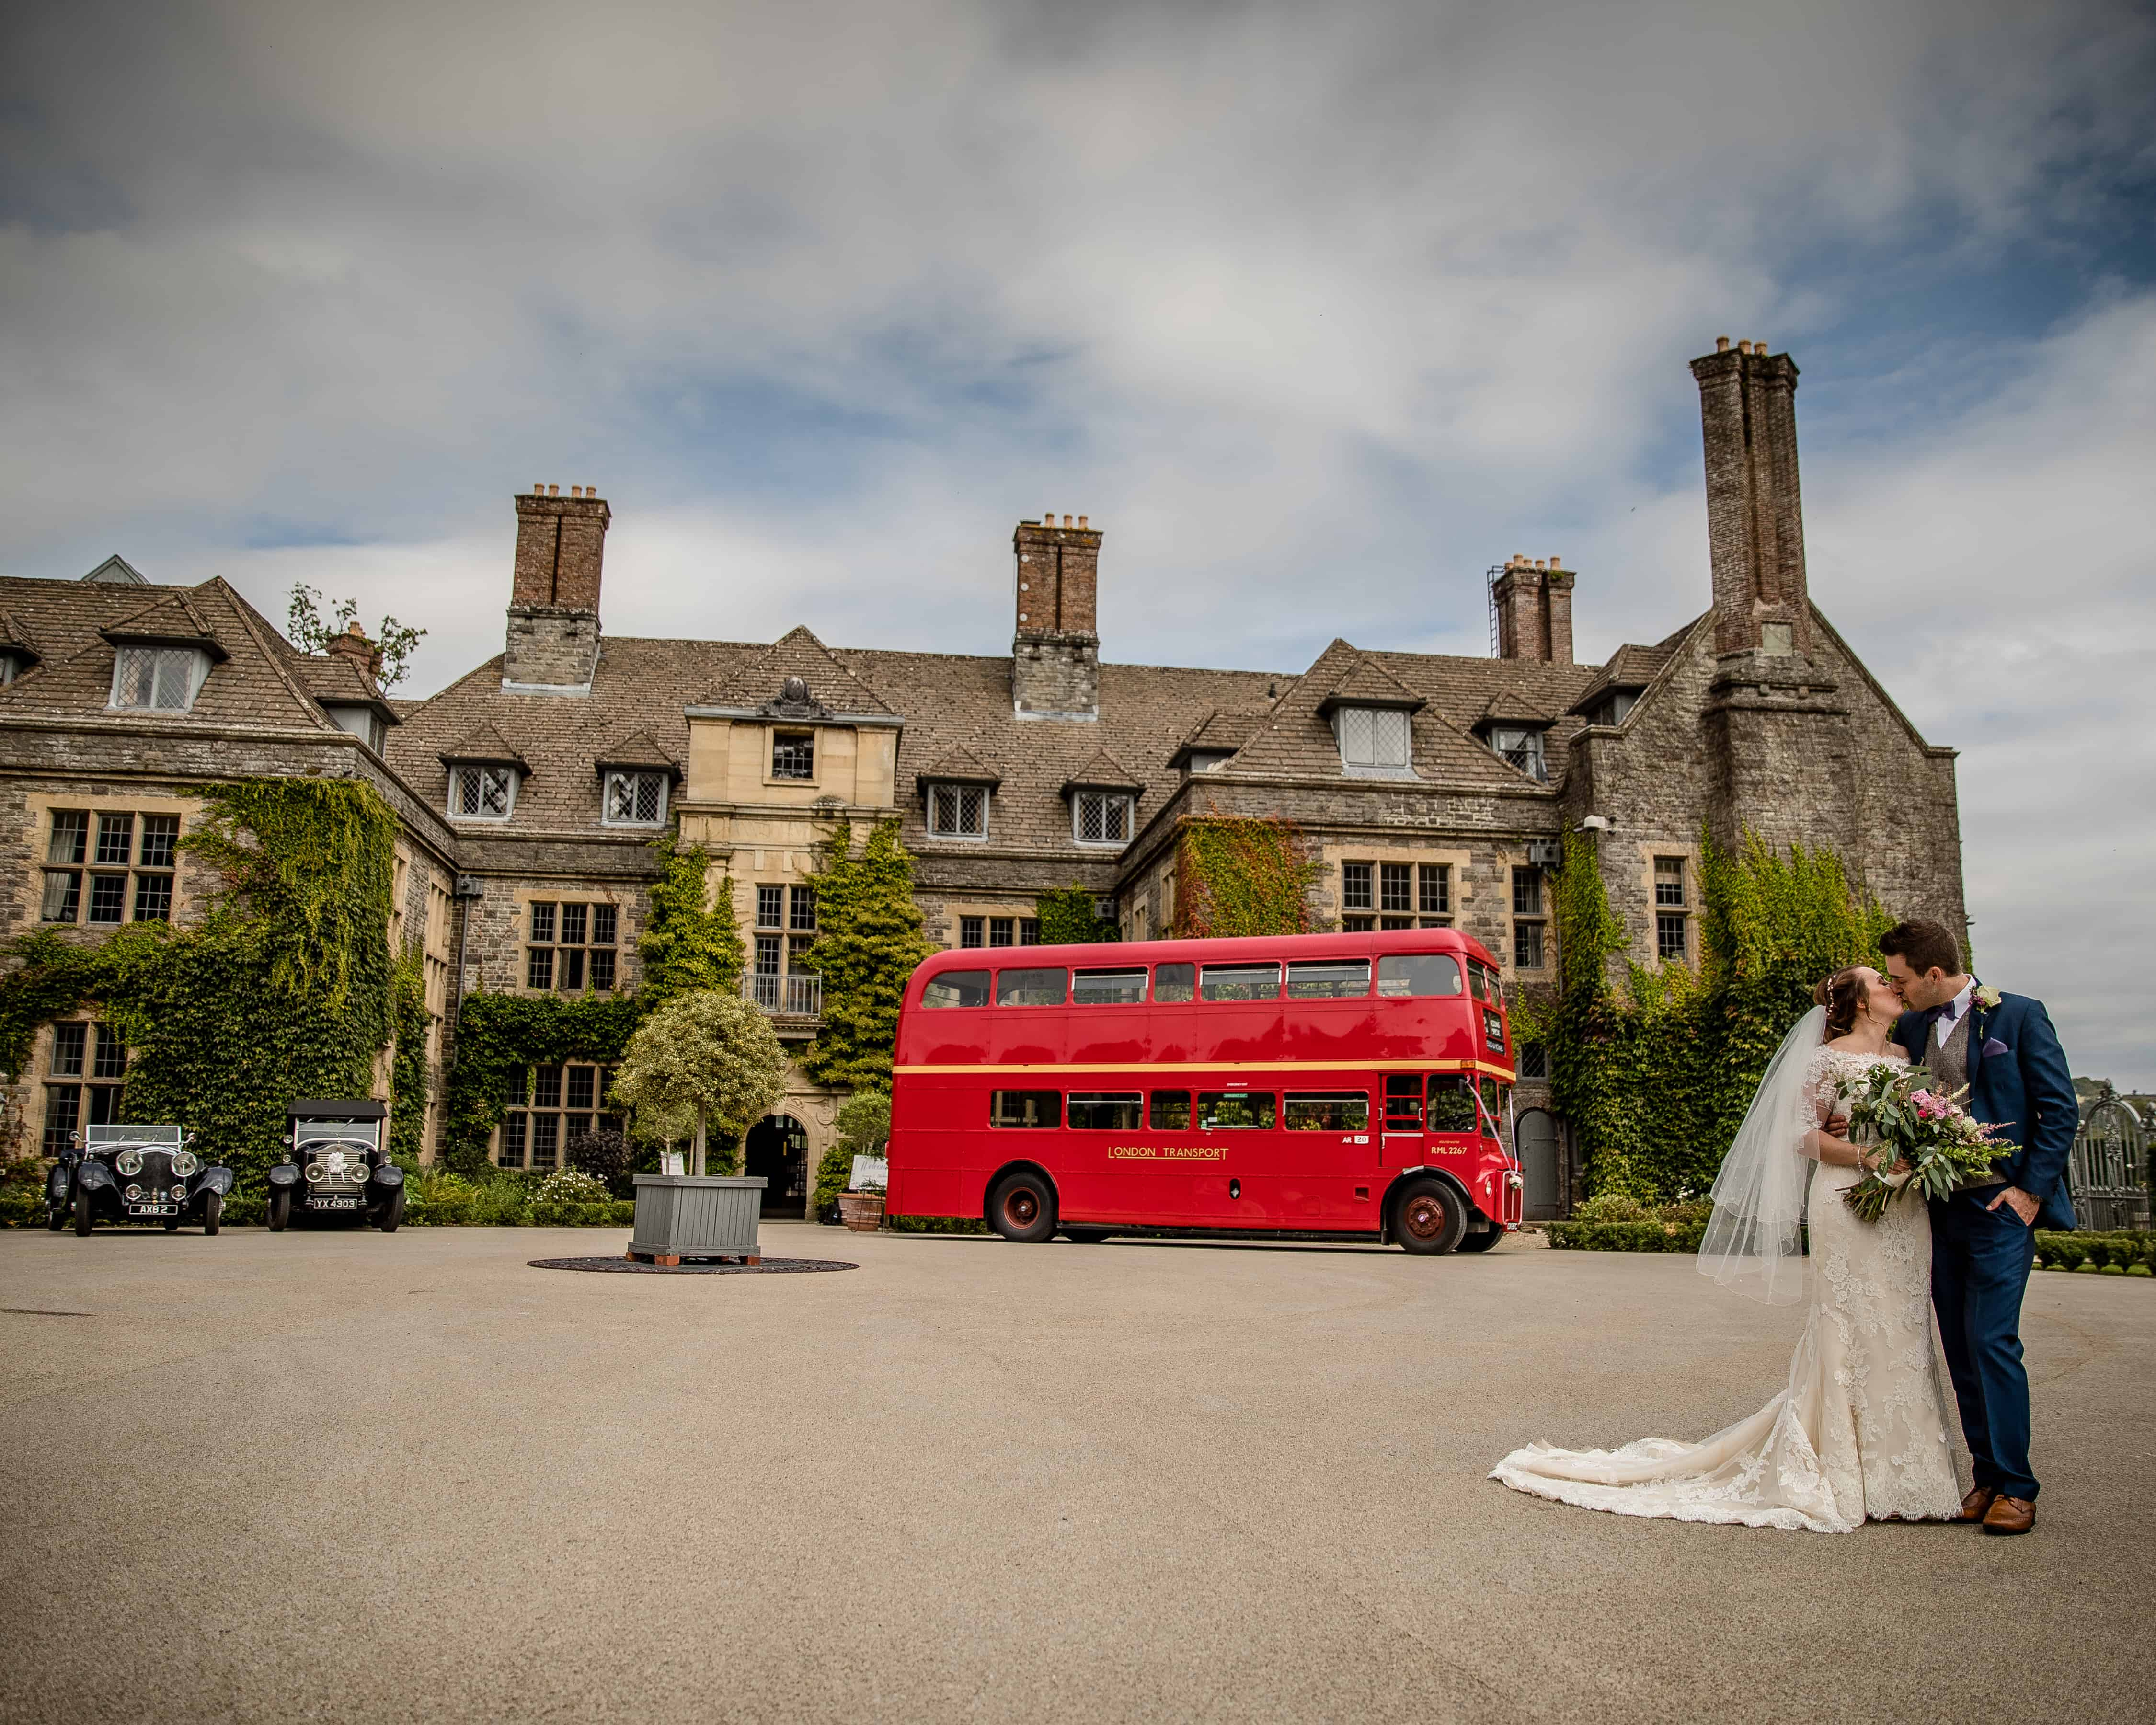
{"x":498,"y":1036}
{"x":284,"y":989}
{"x":868,"y":943}
{"x":1654,"y":1073}
{"x":1238,"y":876}
{"x":1068,"y":919}
{"x":689,"y":940}
{"x":410,"y":1024}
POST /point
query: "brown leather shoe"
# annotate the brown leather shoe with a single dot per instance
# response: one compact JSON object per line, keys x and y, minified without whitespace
{"x":1973,"y":1506}
{"x":2009,"y":1515}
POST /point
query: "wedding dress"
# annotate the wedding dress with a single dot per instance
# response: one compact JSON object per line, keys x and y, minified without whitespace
{"x":1860,"y":1431}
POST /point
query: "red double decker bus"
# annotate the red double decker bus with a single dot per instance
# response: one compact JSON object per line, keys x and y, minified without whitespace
{"x":1340,"y":1084}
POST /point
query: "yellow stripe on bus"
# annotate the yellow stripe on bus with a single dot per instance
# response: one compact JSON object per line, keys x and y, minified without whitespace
{"x":1483,"y":1066}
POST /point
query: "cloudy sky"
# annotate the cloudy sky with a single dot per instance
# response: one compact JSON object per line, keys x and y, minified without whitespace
{"x":1318,"y":311}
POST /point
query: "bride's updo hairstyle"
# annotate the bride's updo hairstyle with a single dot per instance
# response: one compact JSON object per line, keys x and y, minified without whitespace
{"x":1842,"y":995}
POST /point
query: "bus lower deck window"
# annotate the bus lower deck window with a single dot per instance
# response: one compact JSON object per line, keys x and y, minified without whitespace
{"x":957,"y":988}
{"x":1451,"y":1102}
{"x":1242,"y":982}
{"x":1108,"y":988}
{"x":1105,"y":1111}
{"x":1028,"y":1108}
{"x":1171,"y":1110}
{"x":1415,"y":975}
{"x":1031,"y":987}
{"x":1404,"y":1103}
{"x":1175,"y":981}
{"x":1331,"y":979}
{"x":1237,"y":1111}
{"x":1328,"y":1112}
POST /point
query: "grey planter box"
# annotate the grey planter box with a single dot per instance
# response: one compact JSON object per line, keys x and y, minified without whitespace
{"x":696,"y":1216}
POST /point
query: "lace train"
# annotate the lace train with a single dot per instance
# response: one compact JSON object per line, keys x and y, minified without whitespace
{"x":1862,"y":1430}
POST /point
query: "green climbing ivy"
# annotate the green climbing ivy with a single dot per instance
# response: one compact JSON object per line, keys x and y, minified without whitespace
{"x":1655,"y":1072}
{"x":1237,"y":876}
{"x":284,"y":989}
{"x":411,"y":1024}
{"x":689,"y":940}
{"x":1068,"y":919}
{"x":498,"y":1036}
{"x":868,"y":943}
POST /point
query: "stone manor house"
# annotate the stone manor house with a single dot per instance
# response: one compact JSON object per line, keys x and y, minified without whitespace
{"x":1432,"y":788}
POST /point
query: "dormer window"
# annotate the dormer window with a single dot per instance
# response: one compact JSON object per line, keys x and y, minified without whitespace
{"x":1523,"y":748}
{"x":361,"y":722}
{"x":164,"y":679}
{"x":1612,"y":708}
{"x":635,"y":799}
{"x":1207,"y":760}
{"x":482,"y":792}
{"x":958,"y":811}
{"x":11,"y":667}
{"x":1101,"y":817}
{"x":1372,"y":739}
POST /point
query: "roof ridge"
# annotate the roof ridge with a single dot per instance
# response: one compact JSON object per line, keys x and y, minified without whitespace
{"x":247,"y":619}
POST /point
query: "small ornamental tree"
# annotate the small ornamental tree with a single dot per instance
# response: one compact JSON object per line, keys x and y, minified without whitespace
{"x":686,"y":944}
{"x":703,"y":1060}
{"x":1067,"y":918}
{"x":864,"y":1128}
{"x":868,"y":943}
{"x":309,"y":630}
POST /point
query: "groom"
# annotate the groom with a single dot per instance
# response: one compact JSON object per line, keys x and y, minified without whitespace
{"x":2003,"y":1047}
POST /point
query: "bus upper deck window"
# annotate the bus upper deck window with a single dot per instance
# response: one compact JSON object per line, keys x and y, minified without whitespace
{"x":1175,"y":981}
{"x":1108,"y":988}
{"x":1242,"y":982}
{"x":1331,"y":979}
{"x":1477,"y":982}
{"x":1031,"y":987}
{"x":1170,"y":1110}
{"x":1415,"y":975}
{"x":957,"y":988}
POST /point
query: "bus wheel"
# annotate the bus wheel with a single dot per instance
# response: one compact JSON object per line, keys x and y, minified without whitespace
{"x":1428,"y":1218}
{"x":1023,"y":1208}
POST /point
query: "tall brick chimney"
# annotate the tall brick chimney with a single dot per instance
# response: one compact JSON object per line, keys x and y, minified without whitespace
{"x":1533,"y":600}
{"x":553,"y":643}
{"x":1755,"y":517}
{"x":1056,"y":652}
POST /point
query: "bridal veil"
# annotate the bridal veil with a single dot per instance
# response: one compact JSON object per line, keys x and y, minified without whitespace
{"x":1754,"y":1241}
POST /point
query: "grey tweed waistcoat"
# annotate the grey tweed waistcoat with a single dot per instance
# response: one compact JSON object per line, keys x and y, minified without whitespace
{"x":1948,"y":1063}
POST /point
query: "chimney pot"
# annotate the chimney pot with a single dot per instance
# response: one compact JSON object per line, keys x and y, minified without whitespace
{"x":553,"y":490}
{"x":538,"y":488}
{"x":1556,"y":562}
{"x":576,"y":490}
{"x":1066,"y":521}
{"x":352,"y":628}
{"x":1081,"y":521}
{"x":1758,"y":346}
{"x":1744,"y":346}
{"x":1722,"y":344}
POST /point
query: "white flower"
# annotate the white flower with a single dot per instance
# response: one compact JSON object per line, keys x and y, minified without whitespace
{"x":1988,"y":997}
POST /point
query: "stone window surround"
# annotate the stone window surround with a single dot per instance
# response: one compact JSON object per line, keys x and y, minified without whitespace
{"x":772,"y":732}
{"x":1333,"y":852}
{"x":522,"y":898}
{"x":39,"y":806}
{"x":1649,"y":852}
{"x":955,"y":910}
{"x":1079,"y":798}
{"x":515,"y":777}
{"x":619,"y":773}
{"x":38,"y":1080}
{"x":954,"y":835}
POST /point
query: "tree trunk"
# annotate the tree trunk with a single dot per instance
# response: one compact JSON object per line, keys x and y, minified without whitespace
{"x":699,"y":1164}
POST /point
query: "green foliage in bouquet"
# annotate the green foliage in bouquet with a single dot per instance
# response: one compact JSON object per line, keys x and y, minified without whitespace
{"x":1926,"y":1136}
{"x":1655,"y":1065}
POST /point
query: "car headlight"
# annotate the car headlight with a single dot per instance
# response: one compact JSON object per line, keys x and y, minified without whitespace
{"x":129,"y":1161}
{"x":316,"y":1173}
{"x":133,"y":1194}
{"x":185,"y":1163}
{"x":179,"y":1194}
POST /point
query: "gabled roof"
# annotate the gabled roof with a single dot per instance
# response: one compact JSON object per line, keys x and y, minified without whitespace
{"x":116,"y":571}
{"x":1217,"y":733}
{"x":1630,"y":669}
{"x":634,"y":748}
{"x":758,"y":684}
{"x":484,"y":746}
{"x":1103,"y":772}
{"x":1515,"y":706}
{"x":957,"y":765}
{"x":333,"y":679}
{"x":174,"y":620}
{"x":1369,"y":684}
{"x":15,"y":638}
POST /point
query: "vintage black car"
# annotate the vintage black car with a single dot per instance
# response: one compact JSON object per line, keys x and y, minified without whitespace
{"x":338,"y":1169}
{"x":135,"y":1173}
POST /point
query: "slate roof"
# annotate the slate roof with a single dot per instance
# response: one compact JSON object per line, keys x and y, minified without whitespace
{"x":1630,"y":669}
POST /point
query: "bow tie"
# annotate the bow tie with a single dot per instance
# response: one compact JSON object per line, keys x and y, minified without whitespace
{"x":1932,"y":1015}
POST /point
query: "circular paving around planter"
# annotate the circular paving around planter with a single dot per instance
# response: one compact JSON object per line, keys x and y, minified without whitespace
{"x":630,"y":1267}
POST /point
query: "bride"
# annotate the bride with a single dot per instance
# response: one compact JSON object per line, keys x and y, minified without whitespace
{"x":1861,"y":1431}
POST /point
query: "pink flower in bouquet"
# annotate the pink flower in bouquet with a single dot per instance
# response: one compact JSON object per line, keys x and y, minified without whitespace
{"x":1931,"y":1107}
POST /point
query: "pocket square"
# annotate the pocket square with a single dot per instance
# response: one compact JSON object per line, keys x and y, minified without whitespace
{"x":1993,"y":1045}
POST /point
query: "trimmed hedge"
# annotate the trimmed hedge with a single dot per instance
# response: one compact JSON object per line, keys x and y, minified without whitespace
{"x":2127,"y":1254}
{"x":1625,"y":1236}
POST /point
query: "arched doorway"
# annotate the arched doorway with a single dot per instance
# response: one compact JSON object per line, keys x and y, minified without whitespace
{"x":1536,"y":1140}
{"x":778,"y":1149}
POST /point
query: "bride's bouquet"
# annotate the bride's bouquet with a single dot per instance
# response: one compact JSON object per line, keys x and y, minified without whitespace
{"x":1931,"y":1136}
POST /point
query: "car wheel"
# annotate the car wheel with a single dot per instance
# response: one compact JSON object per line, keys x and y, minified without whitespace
{"x":213,"y":1212}
{"x":1084,"y":1236}
{"x":1023,"y":1208}
{"x":82,"y":1210}
{"x":1483,"y":1241}
{"x":280,"y":1210}
{"x":56,"y":1216}
{"x":392,"y":1212}
{"x":1428,"y":1218}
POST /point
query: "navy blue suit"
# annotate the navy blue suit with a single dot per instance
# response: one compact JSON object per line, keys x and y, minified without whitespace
{"x":2018,"y":1081}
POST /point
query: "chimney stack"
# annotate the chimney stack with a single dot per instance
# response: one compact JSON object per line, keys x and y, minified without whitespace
{"x":353,"y":645}
{"x":554,"y":641}
{"x":1055,"y":671}
{"x":1534,"y":602}
{"x":1755,"y":519}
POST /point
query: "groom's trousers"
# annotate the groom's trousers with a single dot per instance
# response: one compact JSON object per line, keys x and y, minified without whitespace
{"x":1980,"y":1264}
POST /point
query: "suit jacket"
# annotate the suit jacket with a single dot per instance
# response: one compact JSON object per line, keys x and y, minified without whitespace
{"x":2018,"y":1081}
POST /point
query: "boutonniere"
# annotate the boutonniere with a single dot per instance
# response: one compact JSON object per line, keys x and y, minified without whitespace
{"x":1988,"y":997}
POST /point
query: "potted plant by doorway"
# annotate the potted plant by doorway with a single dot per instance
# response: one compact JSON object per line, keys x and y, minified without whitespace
{"x":849,"y":1179}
